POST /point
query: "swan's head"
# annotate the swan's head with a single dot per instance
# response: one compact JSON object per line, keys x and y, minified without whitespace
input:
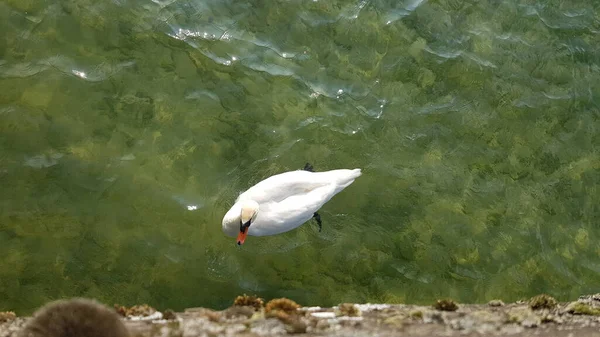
{"x":247,"y":215}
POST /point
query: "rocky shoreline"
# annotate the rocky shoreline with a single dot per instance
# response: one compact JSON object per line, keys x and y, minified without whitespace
{"x":250,"y":316}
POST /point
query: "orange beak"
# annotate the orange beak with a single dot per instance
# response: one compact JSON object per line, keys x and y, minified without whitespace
{"x":242,"y":237}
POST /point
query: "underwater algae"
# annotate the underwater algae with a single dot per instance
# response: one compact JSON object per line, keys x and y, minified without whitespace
{"x":126,"y":128}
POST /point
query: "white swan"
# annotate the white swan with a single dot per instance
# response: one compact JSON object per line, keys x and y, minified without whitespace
{"x":284,"y":201}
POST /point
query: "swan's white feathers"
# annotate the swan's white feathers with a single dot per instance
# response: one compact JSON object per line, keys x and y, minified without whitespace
{"x":288,"y":200}
{"x":281,"y":186}
{"x":291,"y":212}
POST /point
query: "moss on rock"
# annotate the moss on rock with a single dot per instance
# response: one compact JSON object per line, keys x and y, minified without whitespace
{"x":579,"y":308}
{"x":281,"y":304}
{"x":445,"y":305}
{"x":542,"y":301}
{"x":252,"y":301}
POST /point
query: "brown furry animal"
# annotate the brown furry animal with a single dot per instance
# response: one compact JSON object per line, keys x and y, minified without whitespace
{"x":75,"y":318}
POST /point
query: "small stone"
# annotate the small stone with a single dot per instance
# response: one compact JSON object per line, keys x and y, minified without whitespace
{"x":492,"y":317}
{"x":511,"y":329}
{"x":238,"y":311}
{"x":143,"y":310}
{"x":416,"y":314}
{"x":323,"y":314}
{"x":169,"y":314}
{"x":465,"y":323}
{"x":518,"y":314}
{"x":397,"y":321}
{"x":552,"y":318}
{"x":524,"y":316}
{"x":268,"y":327}
{"x":212,"y":316}
{"x":322,"y":324}
{"x":7,"y":316}
{"x":432,"y":317}
{"x":496,"y":303}
{"x":347,"y":309}
{"x":372,"y":307}
{"x":295,"y":327}
{"x":486,"y":329}
{"x":531,"y":322}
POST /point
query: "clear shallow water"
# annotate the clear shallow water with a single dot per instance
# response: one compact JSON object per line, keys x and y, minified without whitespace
{"x":127,"y":128}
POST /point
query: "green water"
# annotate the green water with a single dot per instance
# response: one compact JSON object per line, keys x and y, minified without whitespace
{"x":128,"y":127}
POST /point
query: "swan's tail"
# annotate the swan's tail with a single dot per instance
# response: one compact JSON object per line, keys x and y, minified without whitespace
{"x":345,"y":177}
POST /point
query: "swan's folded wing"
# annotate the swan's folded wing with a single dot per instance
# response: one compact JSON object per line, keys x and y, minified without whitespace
{"x":283,"y":186}
{"x":299,"y":208}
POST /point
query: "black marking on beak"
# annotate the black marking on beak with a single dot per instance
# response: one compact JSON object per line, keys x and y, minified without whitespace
{"x":244,"y":226}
